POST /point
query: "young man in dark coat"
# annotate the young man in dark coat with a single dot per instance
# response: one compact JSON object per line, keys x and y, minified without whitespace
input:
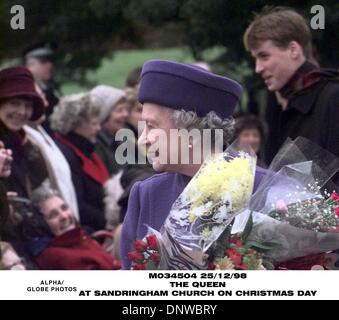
{"x":279,"y":40}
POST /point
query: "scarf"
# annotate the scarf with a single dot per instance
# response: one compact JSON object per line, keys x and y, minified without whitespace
{"x":305,"y":78}
{"x":92,"y":165}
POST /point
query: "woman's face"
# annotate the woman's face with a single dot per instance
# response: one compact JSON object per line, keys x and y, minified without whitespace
{"x":89,"y":129}
{"x":117,"y":118}
{"x":57,"y":215}
{"x":135,"y":115}
{"x":250,"y":137}
{"x":15,"y":113}
{"x":156,"y":137}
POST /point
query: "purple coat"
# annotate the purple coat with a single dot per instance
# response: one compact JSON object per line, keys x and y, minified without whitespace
{"x":149,"y":204}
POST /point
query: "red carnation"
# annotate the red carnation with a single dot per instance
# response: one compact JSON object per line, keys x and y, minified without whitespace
{"x":242,"y":266}
{"x":335,"y":196}
{"x":337,"y":212}
{"x":155,"y":257}
{"x":234,"y":255}
{"x":135,"y":256}
{"x":152,"y":242}
{"x":237,"y":241}
{"x":139,"y":245}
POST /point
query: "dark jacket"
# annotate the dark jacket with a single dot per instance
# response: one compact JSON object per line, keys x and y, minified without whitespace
{"x":28,"y":172}
{"x":89,"y":192}
{"x":313,"y":115}
{"x":105,"y":148}
{"x":132,"y":173}
{"x":4,"y":209}
{"x":49,"y":92}
{"x":28,"y":167}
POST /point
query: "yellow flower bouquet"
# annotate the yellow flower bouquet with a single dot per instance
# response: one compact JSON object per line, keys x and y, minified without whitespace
{"x":219,"y":191}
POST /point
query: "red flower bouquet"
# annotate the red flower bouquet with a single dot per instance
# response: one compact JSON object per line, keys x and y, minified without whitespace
{"x":146,"y":255}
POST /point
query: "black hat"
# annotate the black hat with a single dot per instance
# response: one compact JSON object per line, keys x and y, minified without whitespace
{"x":40,"y":51}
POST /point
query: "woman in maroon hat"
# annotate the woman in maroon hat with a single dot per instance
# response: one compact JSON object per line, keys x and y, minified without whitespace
{"x":17,"y":84}
{"x":19,"y":103}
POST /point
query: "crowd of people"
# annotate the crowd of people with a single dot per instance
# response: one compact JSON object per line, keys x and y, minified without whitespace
{"x":68,"y":202}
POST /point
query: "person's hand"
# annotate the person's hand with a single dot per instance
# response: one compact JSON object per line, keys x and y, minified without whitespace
{"x":105,"y":239}
{"x":5,"y":161}
{"x":107,"y":246}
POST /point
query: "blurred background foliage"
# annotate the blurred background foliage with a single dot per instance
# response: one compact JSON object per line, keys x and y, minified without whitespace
{"x":102,"y":40}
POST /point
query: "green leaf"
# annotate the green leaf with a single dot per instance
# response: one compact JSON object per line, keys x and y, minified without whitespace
{"x":222,"y":243}
{"x":271,"y":244}
{"x":258,"y":245}
{"x":150,"y":265}
{"x":248,"y":228}
{"x":268,"y":265}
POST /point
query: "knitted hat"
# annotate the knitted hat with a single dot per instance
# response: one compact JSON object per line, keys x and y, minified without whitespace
{"x":106,"y":97}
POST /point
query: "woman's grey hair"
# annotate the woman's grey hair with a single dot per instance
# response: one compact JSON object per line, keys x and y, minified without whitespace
{"x":189,"y":120}
{"x":73,"y":110}
{"x":43,"y":193}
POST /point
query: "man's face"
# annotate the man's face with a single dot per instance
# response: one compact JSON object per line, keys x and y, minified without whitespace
{"x":274,"y":64}
{"x":156,"y":135}
{"x":57,"y":215}
{"x":42,"y":69}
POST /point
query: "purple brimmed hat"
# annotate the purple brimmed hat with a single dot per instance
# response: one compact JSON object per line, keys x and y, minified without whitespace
{"x":182,"y":86}
{"x":18,"y":82}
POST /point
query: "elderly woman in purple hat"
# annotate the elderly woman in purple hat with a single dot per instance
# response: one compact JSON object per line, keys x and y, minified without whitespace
{"x":174,"y":96}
